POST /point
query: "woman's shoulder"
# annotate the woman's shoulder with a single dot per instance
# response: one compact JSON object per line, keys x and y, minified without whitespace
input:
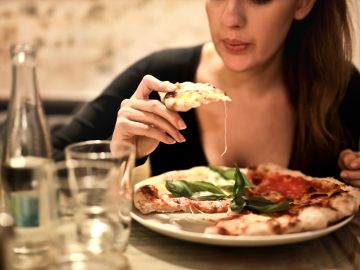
{"x":173,"y":59}
{"x":177,"y":53}
{"x":172,"y":64}
{"x":352,"y":94}
{"x":171,"y":55}
{"x":351,"y":100}
{"x":354,"y":82}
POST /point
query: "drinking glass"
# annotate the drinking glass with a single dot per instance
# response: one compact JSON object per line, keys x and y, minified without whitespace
{"x":120,"y":156}
{"x":27,"y":188}
{"x":89,"y":226}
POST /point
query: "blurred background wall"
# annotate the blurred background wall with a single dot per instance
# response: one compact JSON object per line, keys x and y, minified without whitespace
{"x":84,"y":44}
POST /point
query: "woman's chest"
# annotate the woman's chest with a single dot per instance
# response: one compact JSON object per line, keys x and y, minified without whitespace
{"x":246,"y":135}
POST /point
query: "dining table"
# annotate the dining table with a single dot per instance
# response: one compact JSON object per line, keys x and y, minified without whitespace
{"x":337,"y":250}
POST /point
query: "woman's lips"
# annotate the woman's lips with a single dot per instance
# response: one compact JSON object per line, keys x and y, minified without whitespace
{"x":234,"y":46}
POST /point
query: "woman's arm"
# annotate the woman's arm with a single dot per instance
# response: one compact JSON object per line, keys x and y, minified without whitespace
{"x":96,"y":120}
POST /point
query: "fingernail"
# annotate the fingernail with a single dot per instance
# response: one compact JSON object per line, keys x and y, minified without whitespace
{"x":170,"y":87}
{"x":354,"y":164}
{"x":171,"y":141}
{"x":344,"y":174}
{"x":181,"y":125}
{"x":182,"y":138}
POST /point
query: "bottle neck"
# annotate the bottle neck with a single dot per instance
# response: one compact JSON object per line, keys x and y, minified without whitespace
{"x":26,"y":133}
{"x":24,"y":86}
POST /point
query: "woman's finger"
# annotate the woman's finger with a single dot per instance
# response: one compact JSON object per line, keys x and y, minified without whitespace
{"x":350,"y":174}
{"x":355,"y":183}
{"x":150,"y":83}
{"x":156,"y":107}
{"x":132,"y":128}
{"x":152,"y":120}
{"x":355,"y":163}
{"x":346,"y":159}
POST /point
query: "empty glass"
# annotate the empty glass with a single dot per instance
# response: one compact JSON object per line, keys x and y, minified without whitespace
{"x":120,"y":156}
{"x":90,"y":224}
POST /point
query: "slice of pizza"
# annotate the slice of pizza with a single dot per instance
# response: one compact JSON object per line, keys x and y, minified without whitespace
{"x":263,"y":200}
{"x":190,"y":95}
{"x":155,"y":195}
{"x":315,"y":204}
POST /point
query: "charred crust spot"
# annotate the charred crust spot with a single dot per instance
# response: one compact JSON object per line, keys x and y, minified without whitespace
{"x":223,"y":231}
{"x":176,"y":200}
{"x":150,"y":191}
{"x":275,"y":226}
{"x":317,"y":195}
{"x":293,"y":223}
{"x":311,"y":190}
{"x":320,"y":204}
{"x":256,"y":181}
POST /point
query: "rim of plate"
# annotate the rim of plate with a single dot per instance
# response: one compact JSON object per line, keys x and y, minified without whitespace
{"x":154,"y":225}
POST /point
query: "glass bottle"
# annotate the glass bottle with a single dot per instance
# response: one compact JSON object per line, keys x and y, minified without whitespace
{"x":6,"y":241}
{"x":25,"y":155}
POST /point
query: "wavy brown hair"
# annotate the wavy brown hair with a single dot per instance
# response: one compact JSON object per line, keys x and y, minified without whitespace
{"x":317,"y":67}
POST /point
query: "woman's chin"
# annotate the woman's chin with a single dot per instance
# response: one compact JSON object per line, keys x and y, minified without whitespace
{"x":237,"y":66}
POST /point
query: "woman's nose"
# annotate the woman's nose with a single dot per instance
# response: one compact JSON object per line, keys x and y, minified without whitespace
{"x":234,"y":14}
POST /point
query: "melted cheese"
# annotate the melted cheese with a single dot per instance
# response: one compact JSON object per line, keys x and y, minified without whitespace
{"x":225,"y":129}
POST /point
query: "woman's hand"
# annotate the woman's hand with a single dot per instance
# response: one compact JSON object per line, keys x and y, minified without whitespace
{"x":146,"y":122}
{"x":349,"y":163}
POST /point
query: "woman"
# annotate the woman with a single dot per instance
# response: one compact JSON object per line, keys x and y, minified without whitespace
{"x":285,"y":65}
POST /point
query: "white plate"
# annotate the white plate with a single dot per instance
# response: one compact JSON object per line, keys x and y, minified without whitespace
{"x":185,"y":226}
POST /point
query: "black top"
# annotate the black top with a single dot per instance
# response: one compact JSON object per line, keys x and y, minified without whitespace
{"x":97,"y":119}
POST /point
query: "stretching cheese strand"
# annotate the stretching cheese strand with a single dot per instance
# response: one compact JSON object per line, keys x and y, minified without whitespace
{"x":225,"y":131}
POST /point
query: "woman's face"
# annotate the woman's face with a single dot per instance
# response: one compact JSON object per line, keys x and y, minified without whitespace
{"x":249,"y":33}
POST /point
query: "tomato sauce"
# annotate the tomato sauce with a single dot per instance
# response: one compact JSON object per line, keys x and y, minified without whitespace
{"x":289,"y":186}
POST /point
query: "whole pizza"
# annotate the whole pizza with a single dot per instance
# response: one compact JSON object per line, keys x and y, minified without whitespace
{"x":261,"y":200}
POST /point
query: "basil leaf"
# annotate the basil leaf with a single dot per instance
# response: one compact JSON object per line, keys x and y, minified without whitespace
{"x":224,"y":173}
{"x":178,"y":187}
{"x":237,"y":204}
{"x":274,"y":207}
{"x":207,"y":196}
{"x":186,"y":188}
{"x":256,"y":200}
{"x":243,"y":177}
{"x":204,"y":186}
{"x":239,"y":184}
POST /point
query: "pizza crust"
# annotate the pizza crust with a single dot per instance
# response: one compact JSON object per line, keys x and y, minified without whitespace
{"x":191,"y":95}
{"x":309,"y":219}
